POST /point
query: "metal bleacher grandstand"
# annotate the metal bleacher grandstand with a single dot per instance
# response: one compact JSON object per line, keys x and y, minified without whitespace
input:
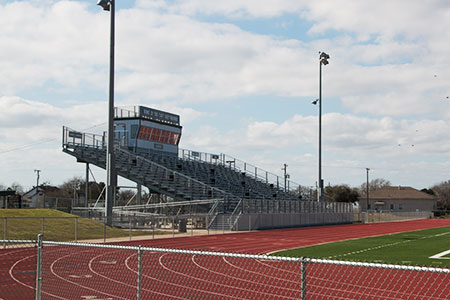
{"x":146,"y":152}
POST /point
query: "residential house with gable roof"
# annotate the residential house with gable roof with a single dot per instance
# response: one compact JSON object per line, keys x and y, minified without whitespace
{"x":398,"y":199}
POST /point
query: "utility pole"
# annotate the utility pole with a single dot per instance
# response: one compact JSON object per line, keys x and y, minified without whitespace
{"x":37,"y":186}
{"x":37,"y":180}
{"x":286,"y":176}
{"x":367,"y":189}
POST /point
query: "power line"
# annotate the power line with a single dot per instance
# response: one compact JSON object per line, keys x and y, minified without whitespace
{"x":42,"y":141}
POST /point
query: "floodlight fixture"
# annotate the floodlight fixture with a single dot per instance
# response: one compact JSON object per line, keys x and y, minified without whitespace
{"x":324,"y":55}
{"x":315,"y":102}
{"x":105,"y":4}
{"x":324,"y":58}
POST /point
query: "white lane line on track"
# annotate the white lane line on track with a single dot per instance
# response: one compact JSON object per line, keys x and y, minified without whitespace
{"x":236,"y":278}
{"x":77,"y":284}
{"x":197,"y":279}
{"x":352,"y":285}
{"x":24,"y":284}
{"x":258,"y":273}
{"x":155,"y":279}
{"x":126,"y":284}
{"x":178,"y":285}
{"x":12,"y":252}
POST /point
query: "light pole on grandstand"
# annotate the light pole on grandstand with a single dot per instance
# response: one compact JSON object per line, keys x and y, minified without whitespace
{"x":323,"y":60}
{"x":111,"y":176}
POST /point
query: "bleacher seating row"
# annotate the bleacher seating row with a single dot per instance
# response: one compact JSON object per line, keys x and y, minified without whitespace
{"x":182,"y":179}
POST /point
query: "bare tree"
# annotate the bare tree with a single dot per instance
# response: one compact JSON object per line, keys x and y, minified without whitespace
{"x":442,"y":192}
{"x":124,"y":196}
{"x":15,"y":186}
{"x":72,"y":186}
{"x":374,"y":184}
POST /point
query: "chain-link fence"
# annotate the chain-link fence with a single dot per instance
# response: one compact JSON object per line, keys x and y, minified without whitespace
{"x":390,"y":216}
{"x":18,"y":266}
{"x":94,"y":229}
{"x":64,"y":270}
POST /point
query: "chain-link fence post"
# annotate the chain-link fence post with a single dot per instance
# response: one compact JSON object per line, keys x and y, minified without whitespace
{"x":303,"y":278}
{"x":39,"y":267}
{"x":104,"y":230}
{"x":76,"y":229}
{"x":139,"y":279}
{"x":129,"y":227}
{"x":5,"y":228}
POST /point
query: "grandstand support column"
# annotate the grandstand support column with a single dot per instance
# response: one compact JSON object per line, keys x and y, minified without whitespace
{"x":86,"y":190}
{"x":111,"y":176}
{"x":138,"y":194}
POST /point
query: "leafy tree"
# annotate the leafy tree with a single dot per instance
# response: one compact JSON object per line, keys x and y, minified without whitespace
{"x":341,"y":193}
{"x":442,"y":192}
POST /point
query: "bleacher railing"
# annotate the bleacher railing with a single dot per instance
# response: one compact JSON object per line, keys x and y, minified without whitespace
{"x":278,"y":182}
{"x":73,"y":138}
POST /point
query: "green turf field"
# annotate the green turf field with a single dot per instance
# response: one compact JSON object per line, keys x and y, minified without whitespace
{"x":410,"y":248}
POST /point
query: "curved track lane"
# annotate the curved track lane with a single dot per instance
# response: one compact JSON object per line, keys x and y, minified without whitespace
{"x":94,"y":273}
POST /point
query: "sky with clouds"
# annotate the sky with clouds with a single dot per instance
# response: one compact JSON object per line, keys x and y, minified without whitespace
{"x":242,"y":75}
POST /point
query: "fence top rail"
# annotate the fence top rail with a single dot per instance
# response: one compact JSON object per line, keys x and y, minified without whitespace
{"x":18,"y":242}
{"x":44,"y":217}
{"x":256,"y":256}
{"x":378,"y":265}
{"x":176,"y":251}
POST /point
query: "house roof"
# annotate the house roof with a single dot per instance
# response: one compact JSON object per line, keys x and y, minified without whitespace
{"x":399,"y":192}
{"x":42,"y":188}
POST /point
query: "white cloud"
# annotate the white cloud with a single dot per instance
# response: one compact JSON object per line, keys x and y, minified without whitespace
{"x":387,"y":79}
{"x":350,"y":144}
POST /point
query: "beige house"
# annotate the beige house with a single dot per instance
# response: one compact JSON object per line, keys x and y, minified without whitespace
{"x":398,"y":199}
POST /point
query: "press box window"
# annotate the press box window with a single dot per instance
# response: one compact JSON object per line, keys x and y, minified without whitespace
{"x":133,"y":131}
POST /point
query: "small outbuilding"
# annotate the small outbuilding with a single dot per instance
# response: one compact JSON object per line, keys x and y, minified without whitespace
{"x":398,"y":199}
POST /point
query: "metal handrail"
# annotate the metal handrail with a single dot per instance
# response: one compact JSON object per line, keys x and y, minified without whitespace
{"x":233,"y":223}
{"x":241,"y":166}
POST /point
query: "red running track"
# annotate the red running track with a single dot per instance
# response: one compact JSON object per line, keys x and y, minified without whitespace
{"x":91,"y":273}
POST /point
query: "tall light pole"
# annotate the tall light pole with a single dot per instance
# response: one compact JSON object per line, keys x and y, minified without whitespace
{"x":111,"y":176}
{"x":323,"y":60}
